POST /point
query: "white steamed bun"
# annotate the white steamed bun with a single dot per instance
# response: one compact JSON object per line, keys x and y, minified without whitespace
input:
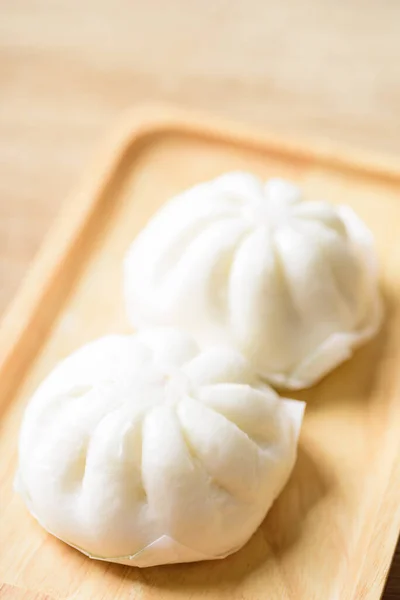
{"x":292,"y":284}
{"x":144,"y":450}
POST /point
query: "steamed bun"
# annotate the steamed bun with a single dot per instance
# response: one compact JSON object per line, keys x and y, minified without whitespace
{"x":145,"y":450}
{"x":290,"y":283}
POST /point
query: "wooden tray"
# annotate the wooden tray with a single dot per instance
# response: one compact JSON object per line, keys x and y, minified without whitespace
{"x":332,"y":532}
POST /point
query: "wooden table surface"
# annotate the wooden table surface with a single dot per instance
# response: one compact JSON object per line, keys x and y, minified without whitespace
{"x":317,"y":68}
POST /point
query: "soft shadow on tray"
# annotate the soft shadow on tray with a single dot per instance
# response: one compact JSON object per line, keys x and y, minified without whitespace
{"x":354,"y":380}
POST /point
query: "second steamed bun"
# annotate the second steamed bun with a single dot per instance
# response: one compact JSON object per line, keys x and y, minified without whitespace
{"x":290,"y":283}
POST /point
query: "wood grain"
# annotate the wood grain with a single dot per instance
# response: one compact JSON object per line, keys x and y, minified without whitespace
{"x":11,"y":592}
{"x":333,"y":530}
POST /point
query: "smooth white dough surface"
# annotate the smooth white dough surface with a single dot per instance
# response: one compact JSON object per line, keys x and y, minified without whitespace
{"x":145,"y":450}
{"x":291,"y":283}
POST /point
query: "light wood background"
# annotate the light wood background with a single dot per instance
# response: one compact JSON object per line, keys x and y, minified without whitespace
{"x":319,"y":68}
